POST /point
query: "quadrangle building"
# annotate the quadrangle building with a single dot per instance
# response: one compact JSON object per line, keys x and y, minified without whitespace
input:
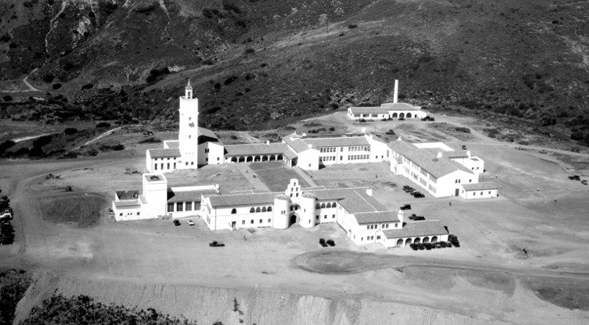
{"x":435,"y":168}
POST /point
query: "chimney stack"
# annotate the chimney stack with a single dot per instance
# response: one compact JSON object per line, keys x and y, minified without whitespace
{"x":396,"y":93}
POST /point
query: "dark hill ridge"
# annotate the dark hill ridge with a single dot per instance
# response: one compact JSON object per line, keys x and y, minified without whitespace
{"x":261,"y":63}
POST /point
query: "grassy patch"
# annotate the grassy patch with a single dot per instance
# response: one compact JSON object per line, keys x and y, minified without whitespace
{"x":81,"y":209}
{"x":276,"y":175}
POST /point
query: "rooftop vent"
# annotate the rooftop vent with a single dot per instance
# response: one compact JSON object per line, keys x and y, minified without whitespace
{"x":154,"y":178}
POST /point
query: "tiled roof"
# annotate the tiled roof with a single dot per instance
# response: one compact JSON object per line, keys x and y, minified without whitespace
{"x":337,"y":142}
{"x":290,"y":154}
{"x":399,"y":107}
{"x":376,"y":217}
{"x":417,"y":229}
{"x":173,"y":144}
{"x":353,"y":200}
{"x":164,"y":153}
{"x":256,"y":149}
{"x":207,"y":133}
{"x":437,"y":167}
{"x":369,"y":110}
{"x":188,"y":196}
{"x":241,"y":199}
{"x":480,"y":186}
{"x":127,"y":195}
{"x":295,"y":143}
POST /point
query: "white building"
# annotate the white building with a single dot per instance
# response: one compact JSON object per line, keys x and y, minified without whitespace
{"x":362,"y":217}
{"x":387,"y":110}
{"x":440,"y":170}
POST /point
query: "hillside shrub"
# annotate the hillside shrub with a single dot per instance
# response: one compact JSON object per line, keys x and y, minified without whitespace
{"x":463,"y":129}
{"x":87,"y":86}
{"x":84,"y":310}
{"x":13,"y":285}
{"x":352,"y":26}
{"x":210,"y":12}
{"x":146,"y":9}
{"x":36,"y":152}
{"x":230,"y":80}
{"x":103,"y":125}
{"x":56,"y":86}
{"x":70,"y":131}
{"x":41,"y":141}
{"x":156,"y":74}
{"x":7,"y":98}
{"x":21,"y":152}
{"x":5,"y":38}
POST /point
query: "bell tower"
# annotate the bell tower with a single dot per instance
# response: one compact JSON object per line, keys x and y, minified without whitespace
{"x":188,"y":133}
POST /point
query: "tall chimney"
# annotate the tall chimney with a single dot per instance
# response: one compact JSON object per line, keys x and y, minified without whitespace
{"x":396,"y":93}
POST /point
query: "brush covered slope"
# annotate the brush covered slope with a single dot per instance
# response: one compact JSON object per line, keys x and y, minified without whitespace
{"x":259,"y":63}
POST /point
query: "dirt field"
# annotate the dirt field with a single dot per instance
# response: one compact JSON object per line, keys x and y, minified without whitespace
{"x":490,"y":279}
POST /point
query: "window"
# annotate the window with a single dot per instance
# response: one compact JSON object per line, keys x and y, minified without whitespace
{"x":258,"y":210}
{"x":252,"y":222}
{"x":206,"y":150}
{"x":155,"y":166}
{"x":361,"y":238}
{"x":243,"y":222}
{"x":188,"y":206}
{"x":168,"y":165}
{"x":318,"y":206}
{"x":316,"y":217}
{"x":333,"y":216}
{"x":137,"y":213}
{"x":187,"y":163}
{"x":260,"y":220}
{"x":377,"y":237}
{"x":325,"y":217}
{"x":263,"y":209}
{"x":179,"y":206}
{"x":234,"y":211}
{"x":252,"y":210}
{"x":269,"y":220}
{"x":269,"y":209}
{"x":121,"y":214}
{"x":170,"y":207}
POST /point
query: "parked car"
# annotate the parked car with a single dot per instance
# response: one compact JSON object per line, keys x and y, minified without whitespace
{"x":412,"y":216}
{"x":418,"y":195}
{"x":443,"y":244}
{"x":428,"y":246}
{"x":322,"y":242}
{"x":215,"y":243}
{"x":418,"y":218}
{"x":575,"y":178}
{"x":413,"y":247}
{"x":330,"y":242}
{"x":463,"y":147}
{"x":406,"y":207}
{"x":584,"y":182}
{"x":176,"y":222}
{"x":437,"y":245}
{"x":190,"y":222}
{"x":420,"y":246}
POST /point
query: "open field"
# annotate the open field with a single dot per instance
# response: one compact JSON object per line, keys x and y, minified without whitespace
{"x":490,"y":279}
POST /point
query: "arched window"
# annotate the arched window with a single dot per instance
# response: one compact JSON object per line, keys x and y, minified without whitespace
{"x":322,"y":205}
{"x":269,"y":209}
{"x":318,"y":206}
{"x":263,"y":209}
{"x":328,"y":205}
{"x":252,"y":210}
{"x":258,"y":209}
{"x":234,"y":211}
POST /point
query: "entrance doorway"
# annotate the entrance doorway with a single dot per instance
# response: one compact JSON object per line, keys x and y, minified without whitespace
{"x":293,"y":219}
{"x":456,"y":192}
{"x":233,"y":225}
